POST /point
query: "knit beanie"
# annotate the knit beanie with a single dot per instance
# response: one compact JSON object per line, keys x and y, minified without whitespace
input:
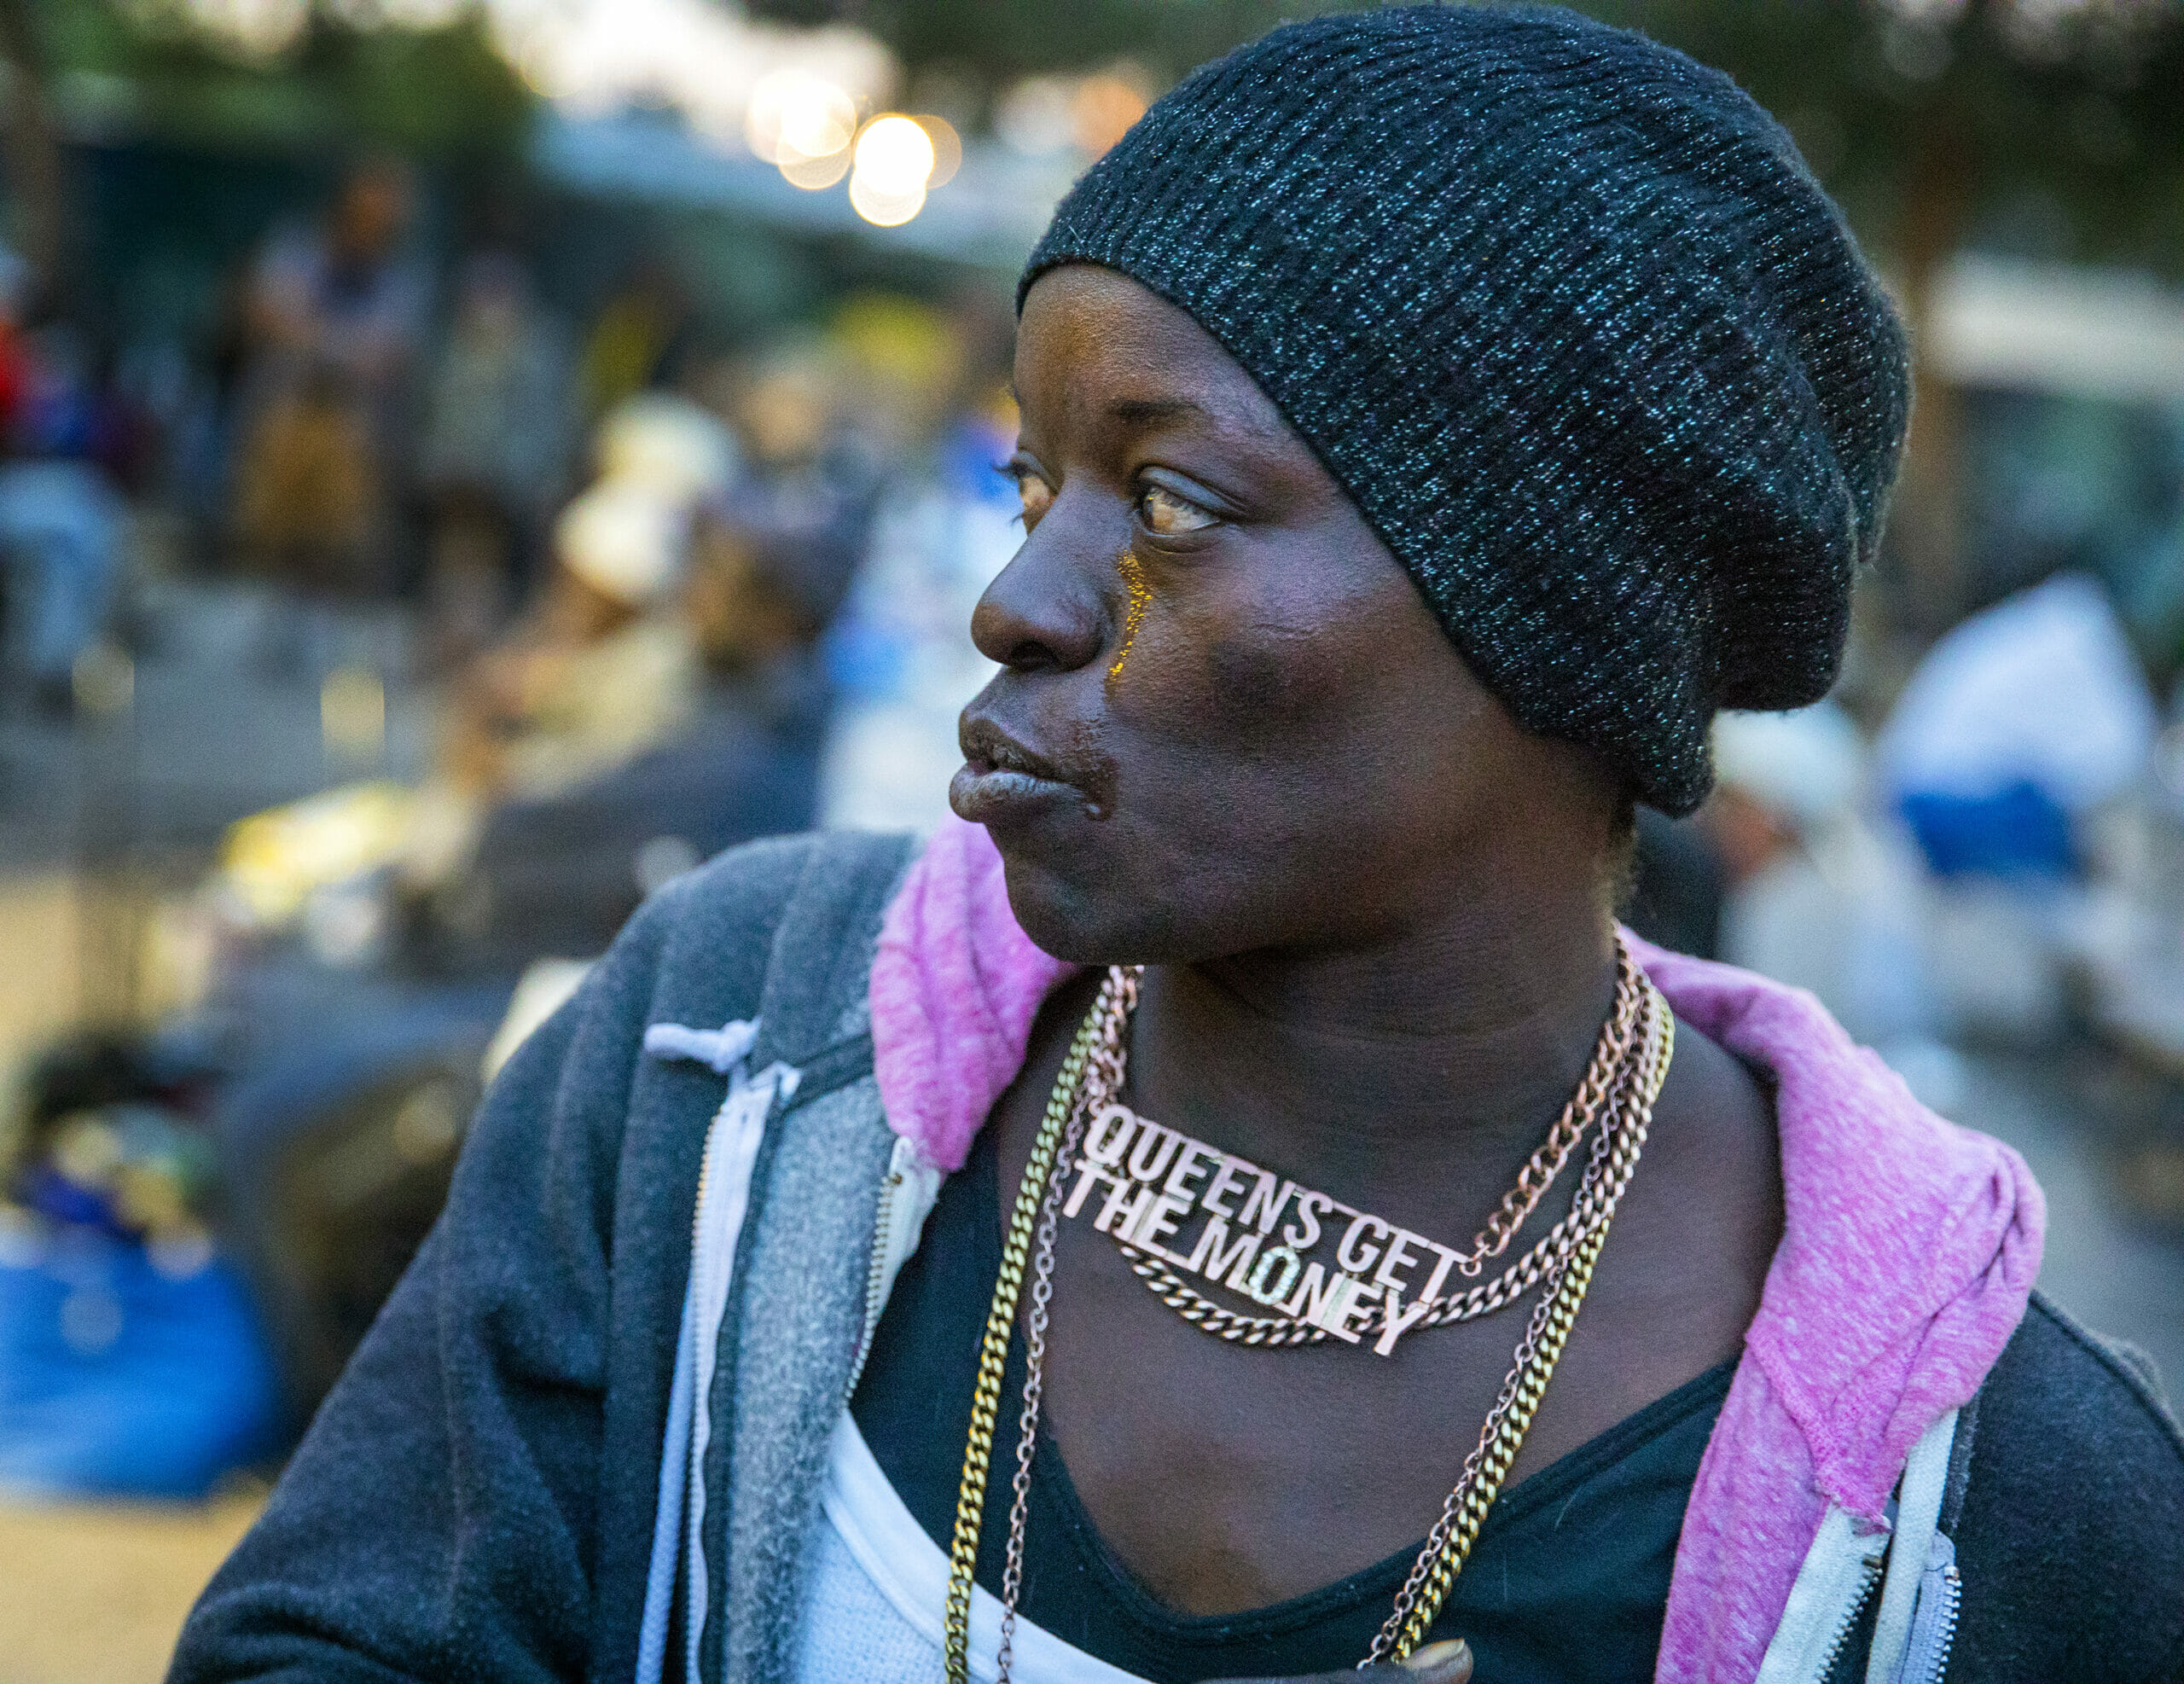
{"x":1566,"y":315}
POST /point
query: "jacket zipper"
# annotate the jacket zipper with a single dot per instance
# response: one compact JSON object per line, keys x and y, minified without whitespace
{"x":1870,"y":1577}
{"x":1933,"y":1627}
{"x":875,"y":1277}
{"x":1952,"y":1605}
{"x":698,"y":1211}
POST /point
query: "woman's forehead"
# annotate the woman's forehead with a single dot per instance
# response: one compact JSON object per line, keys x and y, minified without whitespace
{"x":1096,"y":346}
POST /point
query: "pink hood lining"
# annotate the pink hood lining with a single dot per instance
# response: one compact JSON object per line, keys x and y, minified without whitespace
{"x":1908,"y":1250}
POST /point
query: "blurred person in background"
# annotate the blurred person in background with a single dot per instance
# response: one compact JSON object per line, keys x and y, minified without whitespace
{"x":1355,"y":613}
{"x":336,"y":317}
{"x":2022,"y":732}
{"x":813,"y":474}
{"x":605,"y":665}
{"x":1818,"y":896}
{"x":2020,"y":722}
{"x":501,"y":428}
{"x":65,"y":450}
{"x":641,"y":334}
{"x":772,"y":559}
{"x":945,"y":525}
{"x":609,"y":748}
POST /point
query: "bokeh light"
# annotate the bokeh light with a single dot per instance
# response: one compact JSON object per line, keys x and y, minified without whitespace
{"x":895,"y":155}
{"x":884,"y":210}
{"x":802,"y":125}
{"x":895,"y":161}
{"x":947,"y":149}
{"x":1101,"y":114}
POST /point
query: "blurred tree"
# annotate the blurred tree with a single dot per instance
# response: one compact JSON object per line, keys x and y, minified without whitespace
{"x":333,"y":76}
{"x":31,"y":149}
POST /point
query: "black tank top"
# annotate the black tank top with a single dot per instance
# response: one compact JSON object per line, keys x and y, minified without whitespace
{"x":1566,"y":1584}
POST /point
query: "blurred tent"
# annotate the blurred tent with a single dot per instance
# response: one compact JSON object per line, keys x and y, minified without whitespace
{"x":992,"y":212}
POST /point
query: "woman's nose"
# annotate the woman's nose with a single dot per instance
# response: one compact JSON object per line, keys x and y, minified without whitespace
{"x":1045,"y":609}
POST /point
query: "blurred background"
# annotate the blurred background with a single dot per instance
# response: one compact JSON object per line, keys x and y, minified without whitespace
{"x":462,"y":462}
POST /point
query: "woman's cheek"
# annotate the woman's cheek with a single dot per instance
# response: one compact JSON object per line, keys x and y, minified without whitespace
{"x":1272,"y":662}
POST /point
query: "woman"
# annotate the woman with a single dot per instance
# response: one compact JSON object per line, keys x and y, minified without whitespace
{"x":1431,"y":417}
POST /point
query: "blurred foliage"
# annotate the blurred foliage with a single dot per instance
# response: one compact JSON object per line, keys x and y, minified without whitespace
{"x":437,"y":93}
{"x":2053,"y":126}
{"x":2057,"y":123}
{"x":987,"y":41}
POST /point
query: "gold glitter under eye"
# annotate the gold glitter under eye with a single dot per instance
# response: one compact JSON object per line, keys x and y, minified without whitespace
{"x":1139,"y":597}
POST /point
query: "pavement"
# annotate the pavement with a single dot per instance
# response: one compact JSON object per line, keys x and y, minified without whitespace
{"x":95,"y":1595}
{"x":222,"y":711}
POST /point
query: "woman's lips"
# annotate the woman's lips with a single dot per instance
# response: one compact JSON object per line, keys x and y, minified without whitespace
{"x":1001,"y":780}
{"x":985,"y":793}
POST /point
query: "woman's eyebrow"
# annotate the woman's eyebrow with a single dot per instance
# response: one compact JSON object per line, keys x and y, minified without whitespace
{"x":1144,"y":411}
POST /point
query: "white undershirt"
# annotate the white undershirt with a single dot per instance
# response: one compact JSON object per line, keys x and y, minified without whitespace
{"x":875,"y":1586}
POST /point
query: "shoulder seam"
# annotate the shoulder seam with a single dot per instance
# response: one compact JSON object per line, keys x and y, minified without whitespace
{"x":2156,"y":1410}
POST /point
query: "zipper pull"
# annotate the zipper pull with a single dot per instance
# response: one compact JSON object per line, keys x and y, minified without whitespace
{"x":907,"y":1192}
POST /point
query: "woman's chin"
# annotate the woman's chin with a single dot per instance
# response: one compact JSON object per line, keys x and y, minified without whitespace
{"x":1070,"y":912}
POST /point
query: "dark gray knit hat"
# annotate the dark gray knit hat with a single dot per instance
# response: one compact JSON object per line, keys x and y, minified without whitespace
{"x":1567,"y":316}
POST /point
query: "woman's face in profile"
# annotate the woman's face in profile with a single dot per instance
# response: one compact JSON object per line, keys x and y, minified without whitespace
{"x":1227,"y":719}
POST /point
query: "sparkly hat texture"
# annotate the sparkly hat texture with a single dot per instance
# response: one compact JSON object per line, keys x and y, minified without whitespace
{"x":1570,"y":321}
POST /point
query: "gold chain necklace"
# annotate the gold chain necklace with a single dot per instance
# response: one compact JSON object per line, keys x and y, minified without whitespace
{"x":1032,"y":1225}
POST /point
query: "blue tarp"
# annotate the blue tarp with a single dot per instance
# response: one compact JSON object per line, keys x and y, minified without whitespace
{"x":120,"y":1380}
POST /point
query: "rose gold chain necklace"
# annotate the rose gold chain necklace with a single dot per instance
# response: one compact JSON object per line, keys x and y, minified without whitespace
{"x":1629,"y":1092}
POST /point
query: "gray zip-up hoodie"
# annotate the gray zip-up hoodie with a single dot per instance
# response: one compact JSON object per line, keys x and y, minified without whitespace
{"x":487,"y":1491}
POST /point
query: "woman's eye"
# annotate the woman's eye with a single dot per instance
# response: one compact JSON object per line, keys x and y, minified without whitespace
{"x":1169,"y":514}
{"x":1036,"y":494}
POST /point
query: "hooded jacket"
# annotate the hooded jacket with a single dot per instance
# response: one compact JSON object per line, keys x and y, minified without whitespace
{"x":586,"y":1438}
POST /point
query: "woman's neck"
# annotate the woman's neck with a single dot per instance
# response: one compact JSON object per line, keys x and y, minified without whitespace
{"x":1441,"y":1052}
